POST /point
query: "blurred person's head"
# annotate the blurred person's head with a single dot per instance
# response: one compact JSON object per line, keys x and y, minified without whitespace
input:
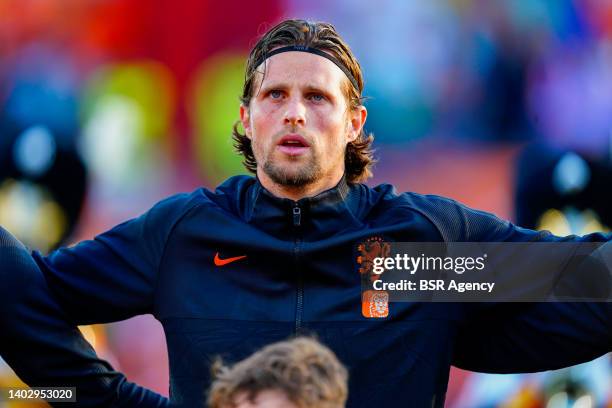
{"x":298,"y":373}
{"x":302,"y":110}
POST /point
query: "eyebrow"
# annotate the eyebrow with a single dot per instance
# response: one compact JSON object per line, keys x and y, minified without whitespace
{"x":310,"y":88}
{"x":281,"y":86}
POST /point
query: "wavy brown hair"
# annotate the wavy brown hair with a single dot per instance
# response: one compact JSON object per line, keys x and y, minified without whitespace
{"x":359,"y":156}
{"x":305,"y":371}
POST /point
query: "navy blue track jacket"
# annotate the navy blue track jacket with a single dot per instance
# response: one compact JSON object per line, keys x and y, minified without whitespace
{"x":298,"y":276}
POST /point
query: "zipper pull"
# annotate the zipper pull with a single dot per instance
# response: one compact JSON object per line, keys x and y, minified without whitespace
{"x":297,"y":215}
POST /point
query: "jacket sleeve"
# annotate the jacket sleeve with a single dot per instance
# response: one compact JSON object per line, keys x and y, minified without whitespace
{"x":109,"y":278}
{"x":520,"y":337}
{"x":44,"y":349}
{"x":528,"y":337}
{"x":113,"y":276}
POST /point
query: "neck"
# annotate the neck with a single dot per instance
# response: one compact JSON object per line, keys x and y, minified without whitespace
{"x":298,"y":192}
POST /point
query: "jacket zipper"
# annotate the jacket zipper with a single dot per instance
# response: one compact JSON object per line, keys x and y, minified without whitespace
{"x":299,"y":305}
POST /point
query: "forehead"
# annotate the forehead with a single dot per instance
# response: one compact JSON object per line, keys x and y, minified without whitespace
{"x":264,"y":399}
{"x":298,"y":68}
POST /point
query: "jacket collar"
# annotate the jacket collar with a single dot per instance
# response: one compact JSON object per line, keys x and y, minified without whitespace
{"x":311,"y":218}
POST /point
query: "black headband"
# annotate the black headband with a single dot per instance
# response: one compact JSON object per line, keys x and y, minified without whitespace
{"x":303,"y":48}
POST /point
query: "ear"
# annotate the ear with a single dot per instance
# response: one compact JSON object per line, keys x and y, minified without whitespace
{"x":245,"y":119}
{"x":357,"y":118}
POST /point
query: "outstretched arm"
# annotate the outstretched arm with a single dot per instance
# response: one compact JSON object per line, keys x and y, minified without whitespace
{"x":528,"y":337}
{"x":522,"y":337}
{"x":114,"y":276}
{"x":44,"y":349}
{"x":109,"y":278}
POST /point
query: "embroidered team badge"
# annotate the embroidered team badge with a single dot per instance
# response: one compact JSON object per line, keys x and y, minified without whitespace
{"x":375,"y":304}
{"x":373,"y":247}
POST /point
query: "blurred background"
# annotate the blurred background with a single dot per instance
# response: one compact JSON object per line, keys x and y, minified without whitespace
{"x":106,"y":106}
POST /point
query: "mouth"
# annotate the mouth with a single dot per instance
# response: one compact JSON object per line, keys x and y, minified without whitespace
{"x":293,"y":145}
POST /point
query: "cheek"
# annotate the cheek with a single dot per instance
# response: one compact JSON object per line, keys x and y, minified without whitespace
{"x":264,"y":122}
{"x":260,"y":123}
{"x":262,"y":128}
{"x":336,"y":135}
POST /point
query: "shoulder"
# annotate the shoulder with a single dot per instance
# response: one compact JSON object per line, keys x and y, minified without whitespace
{"x":176,"y":205}
{"x":228,"y":191}
{"x":386,"y":195}
{"x":454,"y":220}
{"x":226,"y":196}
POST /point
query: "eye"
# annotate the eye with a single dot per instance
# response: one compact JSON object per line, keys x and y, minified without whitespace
{"x":275,"y":94}
{"x":316,"y":97}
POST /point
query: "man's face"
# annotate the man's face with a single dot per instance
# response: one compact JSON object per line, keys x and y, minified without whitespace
{"x":299,"y":121}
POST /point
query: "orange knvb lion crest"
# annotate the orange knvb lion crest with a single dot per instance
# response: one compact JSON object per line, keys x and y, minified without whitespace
{"x":373,"y":247}
{"x":375,"y":304}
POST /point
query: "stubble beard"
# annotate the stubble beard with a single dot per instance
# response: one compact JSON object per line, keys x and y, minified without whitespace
{"x":300,"y":176}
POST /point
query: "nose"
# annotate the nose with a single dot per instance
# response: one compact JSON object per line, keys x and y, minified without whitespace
{"x":295,"y":113}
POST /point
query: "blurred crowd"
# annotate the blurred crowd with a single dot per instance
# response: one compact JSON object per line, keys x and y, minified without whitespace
{"x":107,"y":106}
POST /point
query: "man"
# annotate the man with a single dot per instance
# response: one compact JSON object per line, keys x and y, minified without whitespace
{"x":297,"y":373}
{"x":259,"y":259}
